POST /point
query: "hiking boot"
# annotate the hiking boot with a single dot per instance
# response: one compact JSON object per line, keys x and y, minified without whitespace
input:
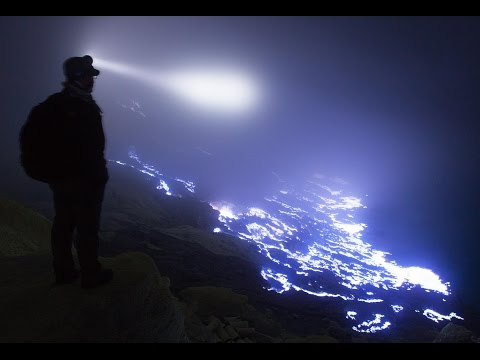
{"x":99,"y":278}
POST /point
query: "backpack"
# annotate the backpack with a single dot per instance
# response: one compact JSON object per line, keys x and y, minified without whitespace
{"x":38,"y":149}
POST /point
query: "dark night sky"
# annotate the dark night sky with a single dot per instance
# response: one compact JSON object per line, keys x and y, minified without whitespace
{"x":389,"y":103}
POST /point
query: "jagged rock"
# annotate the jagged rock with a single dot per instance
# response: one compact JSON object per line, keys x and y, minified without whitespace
{"x":216,"y":338}
{"x":215,"y":301}
{"x":197,"y":332}
{"x":136,"y":306}
{"x":222,"y":334}
{"x":232,"y":333}
{"x":452,"y":333}
{"x":262,"y":323}
{"x":214,"y":323}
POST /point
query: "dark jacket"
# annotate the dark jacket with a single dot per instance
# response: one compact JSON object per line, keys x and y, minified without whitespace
{"x":73,"y":139}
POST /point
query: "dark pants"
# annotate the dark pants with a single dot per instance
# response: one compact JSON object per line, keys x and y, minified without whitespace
{"x":77,"y":205}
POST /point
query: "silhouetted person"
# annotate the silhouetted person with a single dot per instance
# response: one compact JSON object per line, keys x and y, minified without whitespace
{"x":72,"y":162}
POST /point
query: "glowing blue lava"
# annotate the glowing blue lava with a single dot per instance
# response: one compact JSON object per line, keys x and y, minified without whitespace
{"x":310,"y":234}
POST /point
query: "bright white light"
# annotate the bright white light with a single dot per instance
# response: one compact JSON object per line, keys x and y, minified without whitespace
{"x":437,"y":317}
{"x":225,"y":211}
{"x":426,"y":278}
{"x":118,"y":68}
{"x":163,"y":186}
{"x":371,"y":300}
{"x":189,"y":185}
{"x":351,"y":229}
{"x":217,"y":230}
{"x":257,"y":212}
{"x":215,"y":90}
{"x":397,"y":308}
{"x":371,"y":325}
{"x":147,"y":172}
{"x":281,"y":278}
{"x":351,"y":315}
{"x":321,"y":293}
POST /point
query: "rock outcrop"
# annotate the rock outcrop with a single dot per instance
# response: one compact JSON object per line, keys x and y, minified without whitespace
{"x":136,"y":306}
{"x":453,"y":333}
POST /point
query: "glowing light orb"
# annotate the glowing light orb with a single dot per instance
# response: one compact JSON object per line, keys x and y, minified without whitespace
{"x":215,"y":90}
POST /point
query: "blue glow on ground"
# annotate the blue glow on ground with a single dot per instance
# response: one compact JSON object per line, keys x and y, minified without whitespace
{"x":397,"y":308}
{"x":372,"y":326}
{"x":351,"y":315}
{"x":307,"y":235}
{"x":437,"y":317}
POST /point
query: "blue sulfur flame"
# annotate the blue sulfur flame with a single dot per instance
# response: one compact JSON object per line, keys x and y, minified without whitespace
{"x":312,"y":243}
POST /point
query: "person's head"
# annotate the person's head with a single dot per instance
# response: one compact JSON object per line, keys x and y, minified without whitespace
{"x":79,"y":70}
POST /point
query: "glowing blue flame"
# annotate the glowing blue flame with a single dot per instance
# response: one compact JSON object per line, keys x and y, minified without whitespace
{"x":308,"y":233}
{"x":225,"y":213}
{"x":163,"y":185}
{"x":437,"y":317}
{"x":190,"y":186}
{"x":371,"y":300}
{"x":351,"y":315}
{"x":314,"y":230}
{"x":371,"y":325}
{"x":397,"y":308}
{"x":280,"y":278}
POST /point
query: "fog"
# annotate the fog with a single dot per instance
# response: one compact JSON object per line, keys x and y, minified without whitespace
{"x":390,"y":104}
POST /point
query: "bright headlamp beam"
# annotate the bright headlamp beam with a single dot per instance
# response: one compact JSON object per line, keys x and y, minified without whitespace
{"x":217,"y":90}
{"x":121,"y":69}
